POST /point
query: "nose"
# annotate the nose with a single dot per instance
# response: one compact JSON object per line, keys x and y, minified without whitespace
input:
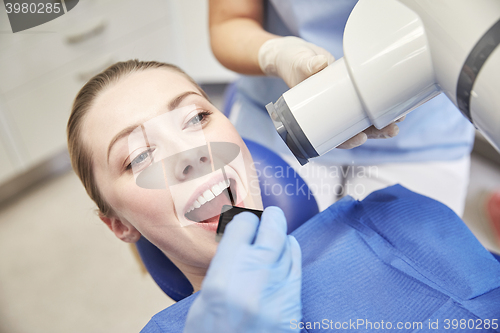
{"x":191,"y":164}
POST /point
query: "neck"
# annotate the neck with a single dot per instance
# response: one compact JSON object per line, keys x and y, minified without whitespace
{"x":195,"y":275}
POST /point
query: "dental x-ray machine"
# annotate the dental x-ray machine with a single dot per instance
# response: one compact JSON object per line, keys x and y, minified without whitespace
{"x":398,"y":54}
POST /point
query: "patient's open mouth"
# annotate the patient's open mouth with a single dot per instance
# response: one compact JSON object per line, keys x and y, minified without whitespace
{"x":207,"y":207}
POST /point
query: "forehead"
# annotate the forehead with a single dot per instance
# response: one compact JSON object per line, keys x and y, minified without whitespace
{"x":132,"y":99}
{"x":138,"y":93}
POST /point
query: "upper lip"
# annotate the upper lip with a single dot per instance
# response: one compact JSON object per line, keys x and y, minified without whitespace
{"x":217,"y":178}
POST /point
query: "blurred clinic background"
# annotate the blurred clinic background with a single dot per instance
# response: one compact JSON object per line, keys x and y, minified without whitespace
{"x":61,"y":269}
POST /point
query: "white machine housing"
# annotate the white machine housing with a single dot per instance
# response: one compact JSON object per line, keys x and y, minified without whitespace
{"x":398,"y":54}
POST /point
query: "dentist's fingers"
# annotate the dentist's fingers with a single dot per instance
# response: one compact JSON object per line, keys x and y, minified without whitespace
{"x":321,"y":51}
{"x":316,"y":63}
{"x":387,"y":132}
{"x":238,"y":234}
{"x":285,"y":263}
{"x":292,"y":58}
{"x":240,"y":231}
{"x":372,"y":132}
{"x":296,"y":256}
{"x":355,"y":141}
{"x":400,"y":119}
{"x":271,"y":237}
{"x":288,"y":268}
{"x":308,"y":63}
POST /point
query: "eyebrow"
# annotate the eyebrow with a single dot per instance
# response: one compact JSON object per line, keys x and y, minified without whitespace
{"x":174,"y":103}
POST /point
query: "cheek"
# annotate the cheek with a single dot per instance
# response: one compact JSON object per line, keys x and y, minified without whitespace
{"x":222,"y":130}
{"x":228,"y":134}
{"x":144,"y":208}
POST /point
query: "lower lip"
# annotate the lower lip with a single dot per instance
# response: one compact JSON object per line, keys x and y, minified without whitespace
{"x":212,"y":226}
{"x":209,"y":226}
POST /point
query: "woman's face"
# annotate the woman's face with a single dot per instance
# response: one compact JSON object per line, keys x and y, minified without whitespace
{"x":157,"y":120}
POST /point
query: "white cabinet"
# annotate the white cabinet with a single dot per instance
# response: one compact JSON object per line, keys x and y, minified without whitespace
{"x":40,"y":110}
{"x":42,"y":69}
{"x":192,"y":36}
{"x":86,"y":30}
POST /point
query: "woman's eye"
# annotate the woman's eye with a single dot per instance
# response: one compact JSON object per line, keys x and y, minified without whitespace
{"x":200,"y":118}
{"x":140,"y":159}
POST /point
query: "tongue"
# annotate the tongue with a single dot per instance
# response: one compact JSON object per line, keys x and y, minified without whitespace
{"x":210,"y":211}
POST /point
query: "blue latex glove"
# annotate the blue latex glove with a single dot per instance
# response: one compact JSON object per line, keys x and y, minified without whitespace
{"x":251,"y":286}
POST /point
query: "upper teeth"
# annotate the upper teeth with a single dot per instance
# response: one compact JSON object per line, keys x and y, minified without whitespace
{"x":209,"y":194}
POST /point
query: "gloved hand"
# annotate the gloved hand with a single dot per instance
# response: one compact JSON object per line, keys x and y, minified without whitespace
{"x":372,"y":132}
{"x":251,"y":286}
{"x":294,"y":60}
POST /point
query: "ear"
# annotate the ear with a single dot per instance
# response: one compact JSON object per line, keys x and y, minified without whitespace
{"x":123,"y":230}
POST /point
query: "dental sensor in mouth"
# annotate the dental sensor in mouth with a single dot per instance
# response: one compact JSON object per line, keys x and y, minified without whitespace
{"x":228,"y":188}
{"x":228,"y":212}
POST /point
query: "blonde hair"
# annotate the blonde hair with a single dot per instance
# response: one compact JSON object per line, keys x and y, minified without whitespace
{"x":81,"y":156}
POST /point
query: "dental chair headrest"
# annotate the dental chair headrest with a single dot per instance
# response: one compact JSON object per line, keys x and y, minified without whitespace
{"x":298,"y":208}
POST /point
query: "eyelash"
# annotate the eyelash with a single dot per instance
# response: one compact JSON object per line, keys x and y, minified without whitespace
{"x":204,"y":114}
{"x":148,"y":151}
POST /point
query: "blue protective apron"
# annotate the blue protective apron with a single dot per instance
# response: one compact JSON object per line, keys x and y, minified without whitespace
{"x":396,"y":257}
